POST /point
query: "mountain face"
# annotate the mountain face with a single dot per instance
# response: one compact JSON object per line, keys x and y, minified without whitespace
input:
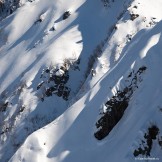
{"x":7,"y":7}
{"x":80,"y":80}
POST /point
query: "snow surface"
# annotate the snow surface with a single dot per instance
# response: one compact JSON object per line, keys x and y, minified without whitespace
{"x":67,"y":128}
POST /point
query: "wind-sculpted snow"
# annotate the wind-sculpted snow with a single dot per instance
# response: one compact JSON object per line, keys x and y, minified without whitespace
{"x":45,"y":35}
{"x":61,"y":63}
{"x":70,"y":137}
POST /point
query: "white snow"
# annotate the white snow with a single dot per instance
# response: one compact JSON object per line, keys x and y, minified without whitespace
{"x":35,"y":38}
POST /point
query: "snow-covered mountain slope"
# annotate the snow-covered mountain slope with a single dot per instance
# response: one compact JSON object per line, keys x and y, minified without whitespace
{"x":71,"y":136}
{"x":45,"y":47}
{"x":101,"y":61}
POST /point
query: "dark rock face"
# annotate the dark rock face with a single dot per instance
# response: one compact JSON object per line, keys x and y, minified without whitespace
{"x":133,"y":16}
{"x":147,"y":143}
{"x":55,"y":83}
{"x":4,"y":106}
{"x":117,"y":105}
{"x":54,"y":80}
{"x":66,"y":15}
{"x":8,"y":7}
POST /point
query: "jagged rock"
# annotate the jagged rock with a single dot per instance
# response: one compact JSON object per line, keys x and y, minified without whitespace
{"x":4,"y":106}
{"x":117,"y":105}
{"x":57,"y":79}
{"x":66,"y":15}
{"x":8,"y":7}
{"x":149,"y":137}
{"x":133,"y":16}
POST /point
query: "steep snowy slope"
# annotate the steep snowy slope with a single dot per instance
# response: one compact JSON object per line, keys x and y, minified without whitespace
{"x":70,"y":137}
{"x":45,"y":49}
{"x":119,"y":118}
